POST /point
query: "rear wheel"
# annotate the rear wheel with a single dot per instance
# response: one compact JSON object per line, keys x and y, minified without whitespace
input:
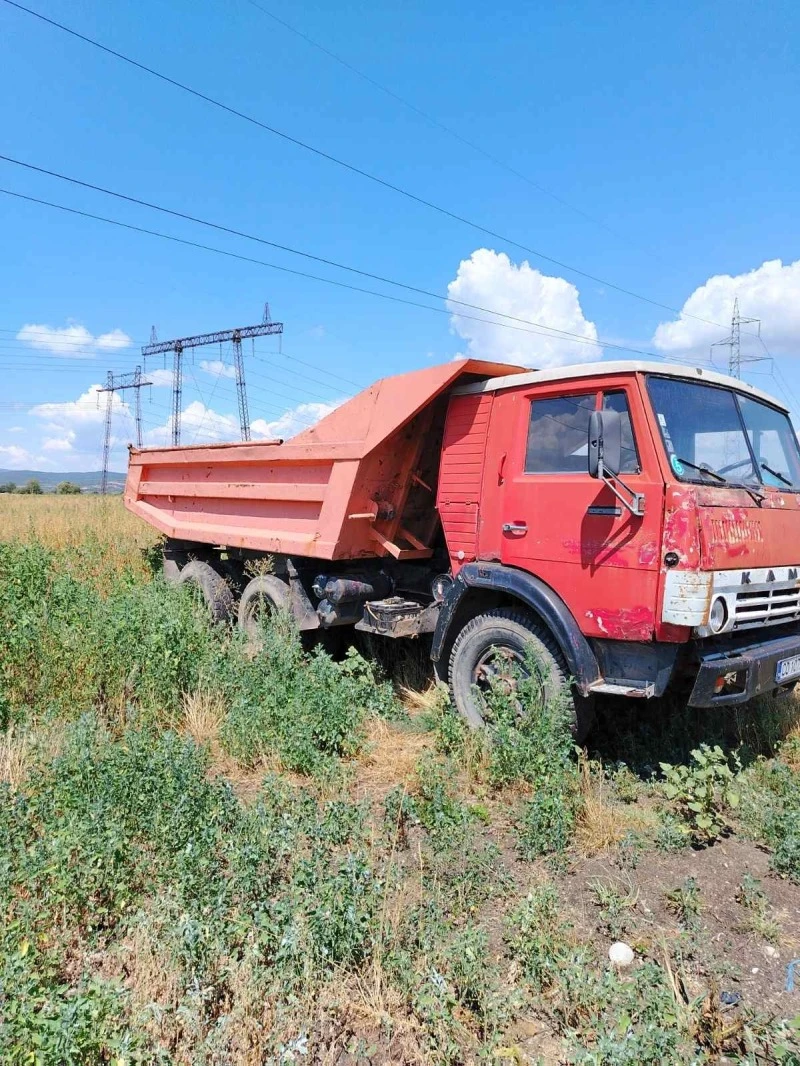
{"x":211,"y":586}
{"x":262,"y":598}
{"x":494,"y":650}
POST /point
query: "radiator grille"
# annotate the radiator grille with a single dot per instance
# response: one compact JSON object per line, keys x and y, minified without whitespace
{"x":767,"y":606}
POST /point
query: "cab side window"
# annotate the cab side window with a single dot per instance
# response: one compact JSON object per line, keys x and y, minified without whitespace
{"x":557,"y":434}
{"x":618,"y":401}
{"x":558,"y":430}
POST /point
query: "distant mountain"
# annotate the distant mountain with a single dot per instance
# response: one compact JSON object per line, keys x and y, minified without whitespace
{"x":89,"y":481}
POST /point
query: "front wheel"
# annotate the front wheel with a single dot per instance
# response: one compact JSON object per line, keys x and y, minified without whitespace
{"x":494,"y":649}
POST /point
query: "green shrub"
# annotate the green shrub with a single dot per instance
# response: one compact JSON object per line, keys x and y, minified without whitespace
{"x":758,"y":917}
{"x":307,"y":707}
{"x":538,"y":937}
{"x":704,"y":792}
{"x":68,"y":648}
{"x":605,"y":1017}
{"x":434,"y":805}
{"x":72,"y":645}
{"x":118,"y":835}
{"x":530,"y":737}
{"x":547,"y":822}
{"x":771,"y":812}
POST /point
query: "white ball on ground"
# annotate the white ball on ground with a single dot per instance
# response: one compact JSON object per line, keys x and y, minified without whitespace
{"x":621,"y":954}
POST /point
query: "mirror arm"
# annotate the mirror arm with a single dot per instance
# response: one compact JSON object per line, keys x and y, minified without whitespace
{"x":636,"y":502}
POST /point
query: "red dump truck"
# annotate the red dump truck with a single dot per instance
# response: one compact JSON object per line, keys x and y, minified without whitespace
{"x":637,"y":526}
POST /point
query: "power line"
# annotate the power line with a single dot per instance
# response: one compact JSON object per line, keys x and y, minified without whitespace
{"x":342,"y":163}
{"x":204,"y":340}
{"x":437,"y":122}
{"x":576,"y":337}
{"x":281,"y":247}
{"x":83,"y":358}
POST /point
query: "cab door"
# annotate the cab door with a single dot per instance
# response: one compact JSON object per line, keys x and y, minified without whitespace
{"x":568,"y":528}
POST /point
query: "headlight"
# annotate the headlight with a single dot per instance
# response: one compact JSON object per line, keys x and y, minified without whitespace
{"x":718,"y":615}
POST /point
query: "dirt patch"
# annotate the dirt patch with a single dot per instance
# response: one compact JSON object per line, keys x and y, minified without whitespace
{"x":719,"y":944}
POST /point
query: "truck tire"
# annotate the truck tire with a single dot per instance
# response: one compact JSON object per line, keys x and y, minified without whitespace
{"x":171,"y":571}
{"x":488,"y":645}
{"x":212,"y":587}
{"x":263,"y":596}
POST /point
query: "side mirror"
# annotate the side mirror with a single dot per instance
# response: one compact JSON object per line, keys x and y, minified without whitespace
{"x":605,"y":443}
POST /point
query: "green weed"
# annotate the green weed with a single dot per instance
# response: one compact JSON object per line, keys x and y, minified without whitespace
{"x":615,"y":903}
{"x":703,"y":792}
{"x":758,"y":918}
{"x":684,"y":903}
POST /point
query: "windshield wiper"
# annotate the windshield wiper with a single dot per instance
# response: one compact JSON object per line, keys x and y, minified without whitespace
{"x":754,"y":493}
{"x":704,"y":470}
{"x":775,"y":473}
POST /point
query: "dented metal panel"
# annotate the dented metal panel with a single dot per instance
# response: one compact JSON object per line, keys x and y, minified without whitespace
{"x":687,"y":597}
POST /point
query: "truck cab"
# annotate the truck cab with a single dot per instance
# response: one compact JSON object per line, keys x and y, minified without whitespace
{"x":676,"y":560}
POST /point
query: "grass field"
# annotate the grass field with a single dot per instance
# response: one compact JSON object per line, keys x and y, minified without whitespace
{"x":209,"y":856}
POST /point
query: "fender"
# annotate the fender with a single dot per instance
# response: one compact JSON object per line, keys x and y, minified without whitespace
{"x":539,"y":597}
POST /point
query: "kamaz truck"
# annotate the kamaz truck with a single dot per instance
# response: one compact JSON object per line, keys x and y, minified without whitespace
{"x":630,"y":527}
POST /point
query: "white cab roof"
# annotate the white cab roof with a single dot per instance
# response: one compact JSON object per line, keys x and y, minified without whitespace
{"x":631,"y":366}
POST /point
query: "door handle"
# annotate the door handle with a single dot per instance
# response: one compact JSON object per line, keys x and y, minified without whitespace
{"x":515,"y":527}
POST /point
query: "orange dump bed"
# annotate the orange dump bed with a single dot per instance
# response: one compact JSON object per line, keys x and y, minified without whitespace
{"x":362,"y":482}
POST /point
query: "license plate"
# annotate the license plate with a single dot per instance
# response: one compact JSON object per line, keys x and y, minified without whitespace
{"x":786,"y":669}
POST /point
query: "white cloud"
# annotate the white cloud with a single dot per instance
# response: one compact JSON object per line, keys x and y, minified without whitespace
{"x":771,"y":293}
{"x":217,"y":368}
{"x":293,"y":421}
{"x":69,"y":435}
{"x":72,"y":432}
{"x":204,"y":425}
{"x":199,"y":425}
{"x":489,"y":279}
{"x":59,"y":444}
{"x":160,"y":378}
{"x":88,"y":410}
{"x":13,"y":457}
{"x":73,"y":340}
{"x":109,"y":342}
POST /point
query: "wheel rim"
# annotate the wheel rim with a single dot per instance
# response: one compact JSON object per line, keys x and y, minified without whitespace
{"x":500,"y":669}
{"x":259,"y":609}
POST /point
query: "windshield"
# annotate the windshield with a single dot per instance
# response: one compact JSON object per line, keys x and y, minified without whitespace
{"x":710,"y":431}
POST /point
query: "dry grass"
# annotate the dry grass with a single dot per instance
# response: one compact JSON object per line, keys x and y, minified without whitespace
{"x":15,"y":749}
{"x":390,"y":758}
{"x":602,"y":824}
{"x":203,"y":715}
{"x":68,"y":521}
{"x":19,"y":749}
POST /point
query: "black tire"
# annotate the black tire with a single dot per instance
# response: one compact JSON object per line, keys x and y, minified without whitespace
{"x":263,"y":596}
{"x":212,"y":587}
{"x":514,"y":634}
{"x":171,"y":570}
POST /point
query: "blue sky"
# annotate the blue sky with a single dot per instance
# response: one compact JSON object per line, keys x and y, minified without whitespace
{"x":672,"y":127}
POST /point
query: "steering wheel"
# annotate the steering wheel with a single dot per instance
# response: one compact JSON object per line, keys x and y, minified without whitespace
{"x":732,"y":466}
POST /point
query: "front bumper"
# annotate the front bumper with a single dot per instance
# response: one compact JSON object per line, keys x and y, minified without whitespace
{"x":748,"y":664}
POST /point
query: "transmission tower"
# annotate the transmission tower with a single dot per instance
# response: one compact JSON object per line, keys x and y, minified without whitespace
{"x":118,"y":383}
{"x":235,"y":336}
{"x":733,"y":341}
{"x":241,"y":391}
